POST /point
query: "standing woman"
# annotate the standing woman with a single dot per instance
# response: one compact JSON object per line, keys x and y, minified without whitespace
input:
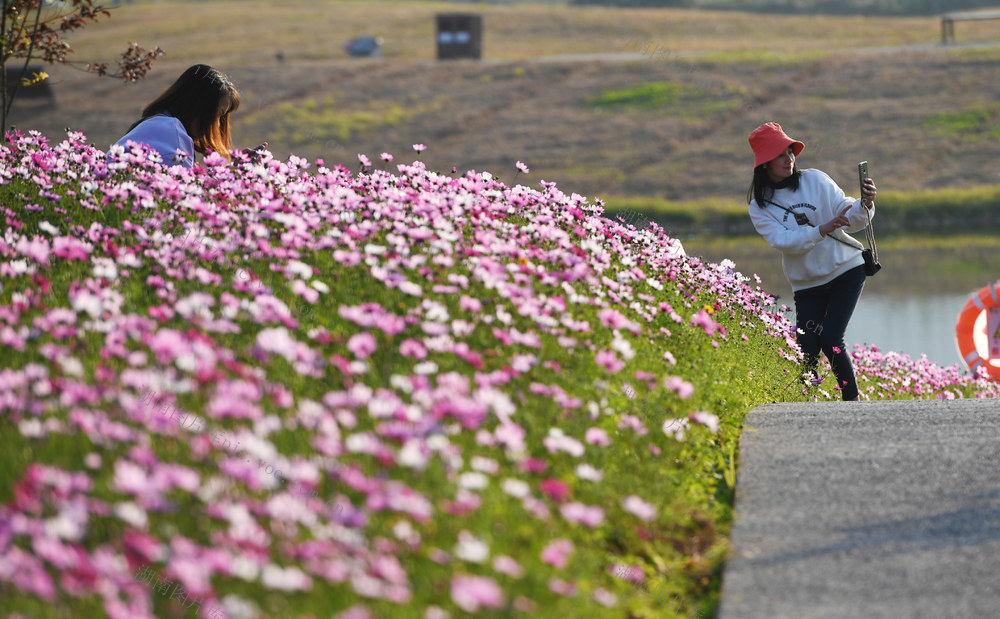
{"x":192,"y":115}
{"x":805,"y":215}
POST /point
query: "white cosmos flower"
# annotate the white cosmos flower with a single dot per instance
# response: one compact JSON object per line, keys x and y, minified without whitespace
{"x":586,"y":471}
{"x":471,"y":548}
{"x":516,"y":488}
{"x":132,"y":514}
{"x":301,"y":269}
{"x":284,"y":579}
{"x":472,"y":480}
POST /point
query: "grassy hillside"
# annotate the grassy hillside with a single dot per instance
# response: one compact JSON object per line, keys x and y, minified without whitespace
{"x":249,"y":32}
{"x":284,"y":390}
{"x":813,"y":7}
{"x":662,"y":111}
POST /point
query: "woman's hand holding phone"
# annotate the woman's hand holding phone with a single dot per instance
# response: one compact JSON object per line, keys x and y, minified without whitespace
{"x":255,"y":153}
{"x":868,"y":193}
{"x":868,"y":189}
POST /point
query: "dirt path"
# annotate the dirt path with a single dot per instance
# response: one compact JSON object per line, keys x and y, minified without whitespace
{"x":870,"y":509}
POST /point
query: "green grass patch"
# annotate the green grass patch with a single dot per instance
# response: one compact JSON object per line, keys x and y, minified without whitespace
{"x":646,"y":96}
{"x":766,"y":58}
{"x":975,"y":124}
{"x":315,"y":120}
{"x":671,"y":98}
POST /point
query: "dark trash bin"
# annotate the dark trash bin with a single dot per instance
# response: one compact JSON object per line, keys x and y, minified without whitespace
{"x":364,"y":47}
{"x":459,"y":35}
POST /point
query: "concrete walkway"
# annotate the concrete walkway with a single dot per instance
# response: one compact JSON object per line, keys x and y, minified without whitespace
{"x":867,"y":509}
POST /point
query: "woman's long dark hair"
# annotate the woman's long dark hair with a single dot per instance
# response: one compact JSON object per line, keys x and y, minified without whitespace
{"x":194,"y":100}
{"x":762,"y":187}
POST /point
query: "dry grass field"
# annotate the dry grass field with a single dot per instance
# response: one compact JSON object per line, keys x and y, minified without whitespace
{"x":663,"y":110}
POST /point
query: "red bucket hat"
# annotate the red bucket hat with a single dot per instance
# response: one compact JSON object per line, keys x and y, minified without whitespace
{"x":768,"y":141}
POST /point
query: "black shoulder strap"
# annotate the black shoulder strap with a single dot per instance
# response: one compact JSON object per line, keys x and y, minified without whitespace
{"x":773,"y":215}
{"x":784,"y":208}
{"x":868,"y":230}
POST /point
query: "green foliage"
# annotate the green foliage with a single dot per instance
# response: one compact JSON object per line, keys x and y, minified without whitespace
{"x":952,"y":210}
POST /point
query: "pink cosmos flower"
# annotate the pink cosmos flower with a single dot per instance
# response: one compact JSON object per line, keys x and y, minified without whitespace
{"x":604,"y":597}
{"x":523,"y":168}
{"x":533,"y":465}
{"x":365,"y":161}
{"x":704,"y":320}
{"x":611,"y":318}
{"x":362,"y":345}
{"x":69,"y":248}
{"x":589,"y":515}
{"x":413,"y":348}
{"x":358,"y":611}
{"x":507,"y":565}
{"x":37,"y":249}
{"x":708,"y":420}
{"x":470,"y":304}
{"x":561,"y":587}
{"x":675,"y":383}
{"x":597,"y":436}
{"x":215,"y":159}
{"x":469,"y":412}
{"x":555,"y":488}
{"x":305,"y":291}
{"x":512,"y":436}
{"x":609,"y":361}
{"x":470,"y":593}
{"x":557,"y":553}
{"x":630,"y":573}
{"x":168,"y":344}
{"x":638,"y":507}
{"x":279,"y":341}
{"x":28,"y":573}
{"x":419,"y":148}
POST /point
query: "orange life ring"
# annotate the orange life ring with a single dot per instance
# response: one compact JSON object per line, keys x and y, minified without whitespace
{"x":971,"y":326}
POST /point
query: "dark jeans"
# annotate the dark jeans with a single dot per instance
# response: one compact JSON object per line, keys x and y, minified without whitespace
{"x":822,"y":314}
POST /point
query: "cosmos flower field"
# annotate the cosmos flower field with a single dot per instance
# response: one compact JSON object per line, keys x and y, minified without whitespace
{"x":287,"y":389}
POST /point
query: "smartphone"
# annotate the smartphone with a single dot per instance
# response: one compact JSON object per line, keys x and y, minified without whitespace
{"x":863,"y":176}
{"x":256,"y":153}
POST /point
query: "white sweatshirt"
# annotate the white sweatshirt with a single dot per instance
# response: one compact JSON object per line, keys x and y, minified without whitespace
{"x":166,"y":135}
{"x":808,"y":258}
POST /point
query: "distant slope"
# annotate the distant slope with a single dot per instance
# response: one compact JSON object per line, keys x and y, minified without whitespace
{"x":671,"y":123}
